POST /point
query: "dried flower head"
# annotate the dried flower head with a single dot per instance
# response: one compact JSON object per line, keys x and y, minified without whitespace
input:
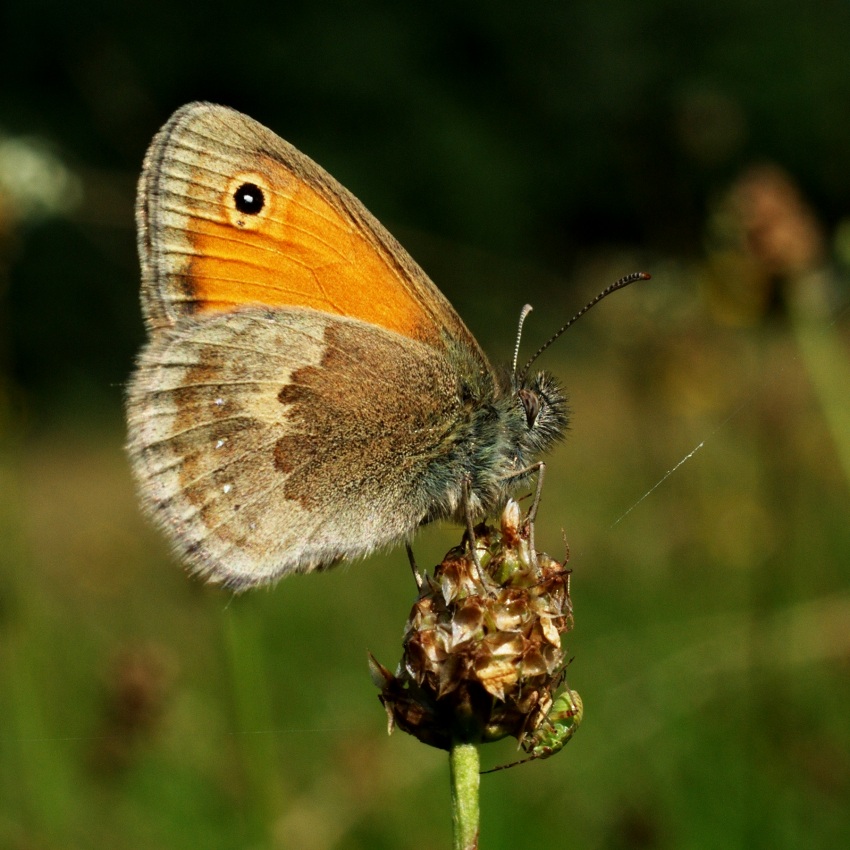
{"x":482,"y":647}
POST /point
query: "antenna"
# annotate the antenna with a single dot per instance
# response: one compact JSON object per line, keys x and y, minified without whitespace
{"x":622,"y":282}
{"x":523,"y":313}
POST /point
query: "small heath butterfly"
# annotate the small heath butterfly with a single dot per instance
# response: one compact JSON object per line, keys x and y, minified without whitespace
{"x":306,"y":393}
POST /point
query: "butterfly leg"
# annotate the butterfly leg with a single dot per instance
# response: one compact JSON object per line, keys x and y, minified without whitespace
{"x":531,"y":516}
{"x":540,"y":469}
{"x":532,"y":511}
{"x":470,"y":532}
{"x":417,"y":575}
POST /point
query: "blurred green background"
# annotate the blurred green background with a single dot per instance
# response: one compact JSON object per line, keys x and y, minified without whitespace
{"x":521,"y":154}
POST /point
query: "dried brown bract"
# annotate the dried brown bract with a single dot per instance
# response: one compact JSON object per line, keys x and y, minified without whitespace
{"x":482,"y":649}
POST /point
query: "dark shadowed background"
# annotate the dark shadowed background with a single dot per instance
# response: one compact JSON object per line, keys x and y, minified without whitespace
{"x":522,"y":155}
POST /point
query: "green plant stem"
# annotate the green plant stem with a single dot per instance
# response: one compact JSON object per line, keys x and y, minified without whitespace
{"x":825,"y":357}
{"x":464,"y":766}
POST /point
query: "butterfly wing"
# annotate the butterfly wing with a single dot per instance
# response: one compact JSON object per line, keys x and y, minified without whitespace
{"x":311,"y":242}
{"x":299,"y":398}
{"x":268,"y":441}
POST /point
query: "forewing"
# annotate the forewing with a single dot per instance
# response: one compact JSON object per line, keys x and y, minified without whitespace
{"x":311,"y":244}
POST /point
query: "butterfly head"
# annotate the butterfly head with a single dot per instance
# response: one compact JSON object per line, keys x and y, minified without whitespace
{"x":541,"y":415}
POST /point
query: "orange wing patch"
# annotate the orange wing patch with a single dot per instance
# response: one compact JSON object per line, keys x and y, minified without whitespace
{"x":275,"y":240}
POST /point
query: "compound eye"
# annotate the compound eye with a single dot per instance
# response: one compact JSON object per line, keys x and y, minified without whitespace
{"x":531,"y":402}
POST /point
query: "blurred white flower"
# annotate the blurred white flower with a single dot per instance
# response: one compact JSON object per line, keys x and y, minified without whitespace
{"x":34,"y":182}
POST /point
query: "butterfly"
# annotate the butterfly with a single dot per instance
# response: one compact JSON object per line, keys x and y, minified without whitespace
{"x":306,"y":394}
